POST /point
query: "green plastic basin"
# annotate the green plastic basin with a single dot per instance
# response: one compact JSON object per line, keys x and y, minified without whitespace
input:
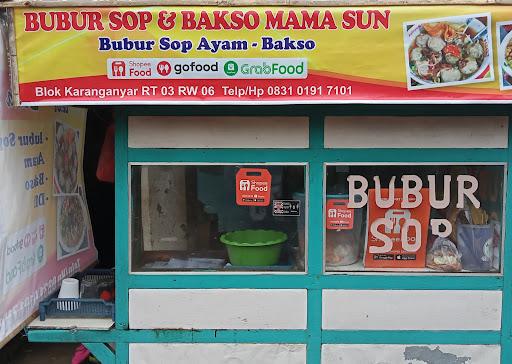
{"x":254,"y":247}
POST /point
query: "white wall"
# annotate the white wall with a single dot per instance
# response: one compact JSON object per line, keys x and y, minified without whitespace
{"x":217,"y":353}
{"x":409,"y":354}
{"x":411,"y":310}
{"x":218,"y":308}
{"x":416,"y":132}
{"x":218,"y":132}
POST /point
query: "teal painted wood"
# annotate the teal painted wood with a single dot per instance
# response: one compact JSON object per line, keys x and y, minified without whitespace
{"x":315,"y":248}
{"x":506,"y":315}
{"x":409,"y":282}
{"x":315,"y":255}
{"x":121,"y":217}
{"x":122,"y":353}
{"x":263,"y":155}
{"x":181,"y":336}
{"x":314,"y":343}
{"x":312,"y":280}
{"x":76,"y":336}
{"x":268,"y":336}
{"x":506,"y":345}
{"x":102,"y":352}
{"x":412,"y":337}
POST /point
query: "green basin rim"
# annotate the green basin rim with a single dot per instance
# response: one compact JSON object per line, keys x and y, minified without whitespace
{"x":253,"y":238}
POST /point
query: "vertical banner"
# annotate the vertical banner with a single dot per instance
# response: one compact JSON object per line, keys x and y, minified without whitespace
{"x":45,"y":230}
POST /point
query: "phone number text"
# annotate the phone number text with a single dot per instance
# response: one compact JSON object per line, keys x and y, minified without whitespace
{"x":248,"y":91}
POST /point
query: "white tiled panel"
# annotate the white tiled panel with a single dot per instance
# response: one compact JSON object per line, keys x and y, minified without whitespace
{"x":411,"y":310}
{"x":416,"y":132}
{"x":218,"y":132}
{"x":217,"y":353}
{"x":410,"y":354}
{"x":218,"y":308}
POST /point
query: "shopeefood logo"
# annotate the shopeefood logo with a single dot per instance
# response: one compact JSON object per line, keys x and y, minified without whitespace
{"x":206,"y":68}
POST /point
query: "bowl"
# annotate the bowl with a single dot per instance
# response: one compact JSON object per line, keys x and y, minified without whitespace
{"x":476,"y":26}
{"x":501,"y":53}
{"x":254,"y":247}
{"x":70,"y":247}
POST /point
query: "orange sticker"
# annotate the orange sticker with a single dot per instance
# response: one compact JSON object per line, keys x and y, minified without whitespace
{"x":253,"y":187}
{"x":338,"y":215}
{"x":396,"y":236}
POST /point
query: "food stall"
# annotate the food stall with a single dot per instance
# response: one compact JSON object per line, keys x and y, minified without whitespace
{"x":294,"y":184}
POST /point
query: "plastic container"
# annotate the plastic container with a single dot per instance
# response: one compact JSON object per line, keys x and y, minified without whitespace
{"x":81,"y":307}
{"x":342,"y":247}
{"x":254,"y":247}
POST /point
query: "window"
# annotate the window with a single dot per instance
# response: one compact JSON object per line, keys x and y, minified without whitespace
{"x":213,"y":217}
{"x":414,"y":217}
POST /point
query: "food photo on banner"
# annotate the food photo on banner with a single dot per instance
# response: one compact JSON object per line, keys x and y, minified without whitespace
{"x":448,"y":51}
{"x":504,"y":36}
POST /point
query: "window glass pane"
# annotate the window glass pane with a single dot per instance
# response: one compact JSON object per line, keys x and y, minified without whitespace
{"x":426,"y":218}
{"x":218,"y":217}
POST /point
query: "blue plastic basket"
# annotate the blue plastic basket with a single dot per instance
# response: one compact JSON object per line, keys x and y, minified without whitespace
{"x":79,"y":307}
{"x":76,"y":308}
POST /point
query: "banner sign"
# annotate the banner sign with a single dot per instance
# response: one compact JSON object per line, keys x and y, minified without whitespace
{"x":45,"y":230}
{"x":263,"y":54}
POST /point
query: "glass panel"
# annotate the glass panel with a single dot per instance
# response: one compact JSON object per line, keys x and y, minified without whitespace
{"x":425,"y":218}
{"x":218,"y":217}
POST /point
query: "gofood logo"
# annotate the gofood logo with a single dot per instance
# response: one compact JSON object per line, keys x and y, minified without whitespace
{"x":164,"y":68}
{"x":196,"y":67}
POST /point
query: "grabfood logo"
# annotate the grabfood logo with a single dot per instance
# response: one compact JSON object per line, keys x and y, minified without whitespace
{"x":266,"y":68}
{"x":231,"y":68}
{"x":273,"y":69}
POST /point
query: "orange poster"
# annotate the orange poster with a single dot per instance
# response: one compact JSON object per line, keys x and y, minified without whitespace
{"x":254,"y":186}
{"x":339,"y":216}
{"x":397,"y":236}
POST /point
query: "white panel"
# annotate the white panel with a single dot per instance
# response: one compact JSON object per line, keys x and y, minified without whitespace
{"x":218,"y":132}
{"x":408,"y":354}
{"x":416,"y":132}
{"x":217,"y":353}
{"x":411,"y":310}
{"x":218,"y":308}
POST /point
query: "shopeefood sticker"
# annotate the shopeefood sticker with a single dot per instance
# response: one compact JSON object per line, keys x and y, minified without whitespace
{"x":286,"y":208}
{"x":253,"y":187}
{"x":339,"y":216}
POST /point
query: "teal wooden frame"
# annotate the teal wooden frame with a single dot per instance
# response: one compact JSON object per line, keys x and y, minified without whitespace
{"x":314,"y":280}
